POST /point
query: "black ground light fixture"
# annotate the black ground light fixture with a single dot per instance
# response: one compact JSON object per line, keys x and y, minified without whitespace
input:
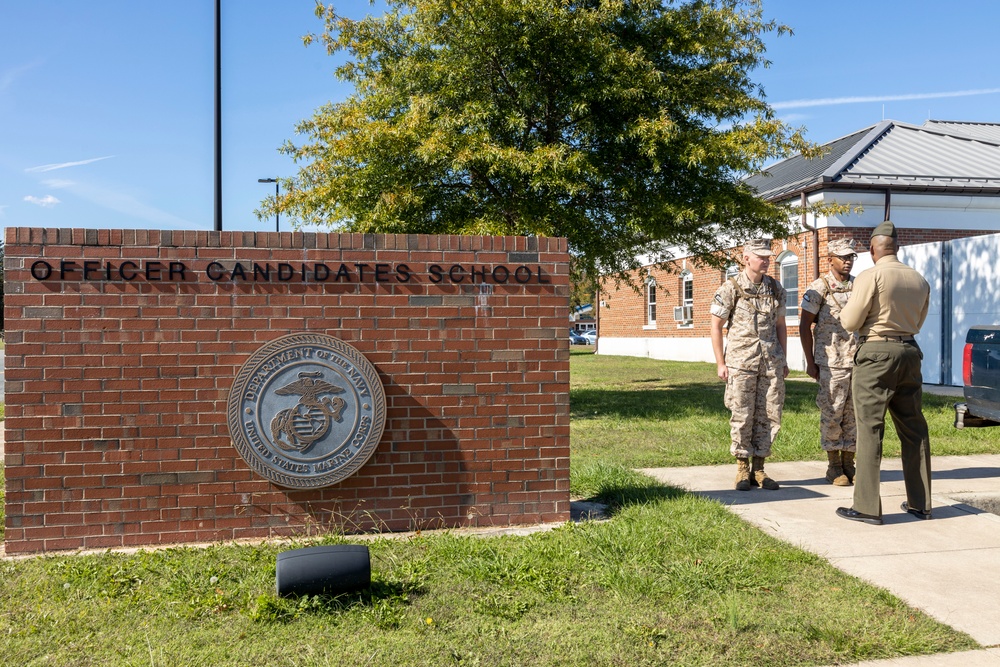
{"x":331,"y":570}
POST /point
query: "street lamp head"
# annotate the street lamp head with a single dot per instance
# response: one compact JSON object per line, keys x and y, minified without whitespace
{"x":277,"y":185}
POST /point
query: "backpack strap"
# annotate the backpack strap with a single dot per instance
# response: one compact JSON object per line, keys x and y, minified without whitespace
{"x":832,"y":304}
{"x":772,"y":286}
{"x":738,"y":291}
{"x":829,"y":289}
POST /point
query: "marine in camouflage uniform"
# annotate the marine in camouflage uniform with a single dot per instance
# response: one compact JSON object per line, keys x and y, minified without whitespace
{"x":752,"y":362}
{"x":829,"y":353}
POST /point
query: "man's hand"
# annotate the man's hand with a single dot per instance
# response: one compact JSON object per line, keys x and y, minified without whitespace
{"x":785,"y":371}
{"x":812,"y":370}
{"x":723,"y":372}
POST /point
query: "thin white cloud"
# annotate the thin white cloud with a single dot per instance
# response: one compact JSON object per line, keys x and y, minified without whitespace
{"x":794,"y":117}
{"x":9,"y":76}
{"x":58,"y":183}
{"x":63,"y":165}
{"x":129,"y":205}
{"x":2,"y":207}
{"x":48,"y":201}
{"x":830,"y":101}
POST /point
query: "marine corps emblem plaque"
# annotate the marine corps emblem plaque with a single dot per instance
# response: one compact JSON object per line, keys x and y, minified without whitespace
{"x":306,"y":410}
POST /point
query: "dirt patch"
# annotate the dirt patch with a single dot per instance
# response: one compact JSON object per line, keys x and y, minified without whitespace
{"x":986,"y":502}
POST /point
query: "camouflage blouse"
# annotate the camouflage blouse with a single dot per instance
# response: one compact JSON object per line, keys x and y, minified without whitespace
{"x":833,"y":346}
{"x":752,"y":312}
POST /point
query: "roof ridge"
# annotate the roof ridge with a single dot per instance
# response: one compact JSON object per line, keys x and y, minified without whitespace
{"x":852,"y":155}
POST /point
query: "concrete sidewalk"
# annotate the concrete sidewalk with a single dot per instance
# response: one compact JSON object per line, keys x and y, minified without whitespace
{"x":948,"y":567}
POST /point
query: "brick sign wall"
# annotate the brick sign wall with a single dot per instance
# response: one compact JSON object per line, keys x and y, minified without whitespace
{"x":122,"y":347}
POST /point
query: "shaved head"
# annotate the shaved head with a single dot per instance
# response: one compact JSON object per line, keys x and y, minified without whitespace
{"x":884,"y":245}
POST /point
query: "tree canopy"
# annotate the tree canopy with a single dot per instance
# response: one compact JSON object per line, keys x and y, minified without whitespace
{"x":624,"y":125}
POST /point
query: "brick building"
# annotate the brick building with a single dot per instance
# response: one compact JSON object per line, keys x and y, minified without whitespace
{"x":938,"y":181}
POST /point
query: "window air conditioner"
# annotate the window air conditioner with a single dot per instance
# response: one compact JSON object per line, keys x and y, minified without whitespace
{"x":683,"y":313}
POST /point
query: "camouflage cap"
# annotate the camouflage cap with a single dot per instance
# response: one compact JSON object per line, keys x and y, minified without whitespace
{"x":759,"y":247}
{"x":842,"y":248}
{"x":885,"y":229}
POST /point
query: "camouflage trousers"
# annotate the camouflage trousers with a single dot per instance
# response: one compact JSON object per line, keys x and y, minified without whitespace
{"x":837,"y":429}
{"x":755,"y":400}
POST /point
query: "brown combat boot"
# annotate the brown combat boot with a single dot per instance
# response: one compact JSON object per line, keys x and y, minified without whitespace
{"x":835,"y":470}
{"x":742,"y":474}
{"x":761,"y":477}
{"x":849,"y":469}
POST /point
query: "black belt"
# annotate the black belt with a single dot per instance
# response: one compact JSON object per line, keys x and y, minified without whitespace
{"x":877,"y":338}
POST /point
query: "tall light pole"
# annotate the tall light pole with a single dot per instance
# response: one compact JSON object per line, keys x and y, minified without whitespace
{"x":218,"y":115}
{"x":276,"y":186}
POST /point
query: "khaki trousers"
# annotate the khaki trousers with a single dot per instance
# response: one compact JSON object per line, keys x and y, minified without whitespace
{"x":887,"y":377}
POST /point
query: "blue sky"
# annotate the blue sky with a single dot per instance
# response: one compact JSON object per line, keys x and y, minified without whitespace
{"x":106,"y":106}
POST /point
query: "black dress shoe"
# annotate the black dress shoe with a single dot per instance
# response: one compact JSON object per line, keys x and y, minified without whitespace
{"x":920,"y":514}
{"x":852,"y":514}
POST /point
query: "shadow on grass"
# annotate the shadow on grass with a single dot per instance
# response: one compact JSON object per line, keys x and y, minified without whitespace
{"x":704,"y":399}
{"x":619,"y":497}
{"x":383,"y":600}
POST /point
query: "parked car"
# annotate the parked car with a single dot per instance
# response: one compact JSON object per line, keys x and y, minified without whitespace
{"x":576,"y":339}
{"x":981,"y":377}
{"x":591,"y":336}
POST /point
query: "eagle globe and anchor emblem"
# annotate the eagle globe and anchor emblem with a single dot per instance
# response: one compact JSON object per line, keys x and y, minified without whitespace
{"x":306,"y":410}
{"x":298,"y":427}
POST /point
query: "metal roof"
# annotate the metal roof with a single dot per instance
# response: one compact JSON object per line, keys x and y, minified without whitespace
{"x":940,"y":156}
{"x":791,"y":175}
{"x":985,"y":131}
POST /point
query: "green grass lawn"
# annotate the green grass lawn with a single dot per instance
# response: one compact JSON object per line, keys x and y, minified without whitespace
{"x":643,"y":413}
{"x":671,"y":579}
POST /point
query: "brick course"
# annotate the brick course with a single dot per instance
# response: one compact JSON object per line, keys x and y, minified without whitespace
{"x":117,"y":388}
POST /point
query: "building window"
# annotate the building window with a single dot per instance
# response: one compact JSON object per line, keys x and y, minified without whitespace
{"x":788,"y":263}
{"x":684,"y":314}
{"x":651,"y":303}
{"x":732,"y":272}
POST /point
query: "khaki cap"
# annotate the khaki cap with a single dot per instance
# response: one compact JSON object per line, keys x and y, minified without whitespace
{"x":759,"y":247}
{"x":842,"y":248}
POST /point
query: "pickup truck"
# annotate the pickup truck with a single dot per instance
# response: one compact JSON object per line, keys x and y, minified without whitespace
{"x":981,"y":377}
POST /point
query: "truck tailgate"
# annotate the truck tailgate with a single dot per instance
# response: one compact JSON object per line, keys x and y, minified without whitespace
{"x":982,"y":393}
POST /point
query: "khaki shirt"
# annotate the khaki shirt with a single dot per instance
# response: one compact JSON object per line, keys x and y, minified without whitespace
{"x":752,"y":312}
{"x":833,"y":346}
{"x":889,"y":299}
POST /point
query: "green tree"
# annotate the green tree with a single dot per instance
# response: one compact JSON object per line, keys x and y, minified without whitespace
{"x":624,"y":125}
{"x":583,"y":287}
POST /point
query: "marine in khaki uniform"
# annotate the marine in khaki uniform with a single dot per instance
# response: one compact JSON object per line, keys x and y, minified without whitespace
{"x":752,"y":361}
{"x":887,"y":307}
{"x":829,"y":353}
